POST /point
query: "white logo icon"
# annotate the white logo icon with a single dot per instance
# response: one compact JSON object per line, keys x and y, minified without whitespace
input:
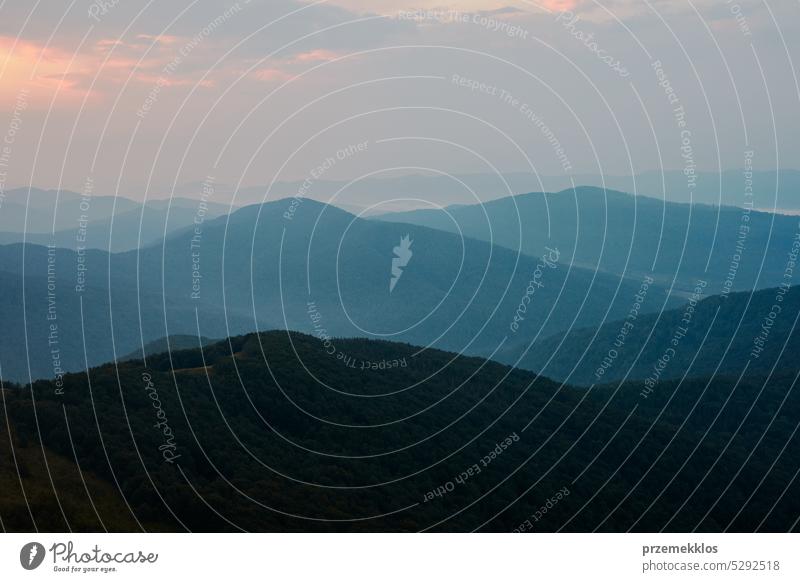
{"x":403,"y":256}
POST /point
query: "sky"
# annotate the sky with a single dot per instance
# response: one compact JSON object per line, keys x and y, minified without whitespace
{"x":141,"y":98}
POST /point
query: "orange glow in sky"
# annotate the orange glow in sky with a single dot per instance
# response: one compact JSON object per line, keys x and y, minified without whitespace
{"x":392,"y":6}
{"x":42,"y":71}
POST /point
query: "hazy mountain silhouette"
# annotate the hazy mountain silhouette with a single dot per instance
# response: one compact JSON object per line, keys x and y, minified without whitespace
{"x":460,"y":294}
{"x":776,"y":189}
{"x":59,"y":208}
{"x":320,"y":271}
{"x":615,"y":232}
{"x":743,"y":333}
{"x":98,"y":325}
{"x":98,"y":222}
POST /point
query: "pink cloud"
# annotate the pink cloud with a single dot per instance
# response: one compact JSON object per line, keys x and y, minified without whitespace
{"x":165,"y":39}
{"x":316,"y":55}
{"x":44,"y":71}
{"x":271,"y":74}
{"x":173,"y":81}
{"x":393,"y":6}
{"x":559,"y":5}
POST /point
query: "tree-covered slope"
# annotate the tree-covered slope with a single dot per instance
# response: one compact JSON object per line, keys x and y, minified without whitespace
{"x":741,"y":333}
{"x":285,"y":432}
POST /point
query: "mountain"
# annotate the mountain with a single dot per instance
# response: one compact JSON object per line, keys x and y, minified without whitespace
{"x":742,"y":333}
{"x":56,"y":209}
{"x":772,"y":190}
{"x":308,"y":267}
{"x":51,"y":327}
{"x":28,"y":502}
{"x":173,"y":343}
{"x":274,"y":433}
{"x":318,"y":269}
{"x":775,"y":189}
{"x":100,"y":222}
{"x":729,"y":248}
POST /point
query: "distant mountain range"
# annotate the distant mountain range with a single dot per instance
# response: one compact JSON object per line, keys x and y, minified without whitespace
{"x":71,"y":221}
{"x":564,"y":272}
{"x":311,"y":268}
{"x":671,"y":404}
{"x":676,"y":244}
{"x":775,"y":189}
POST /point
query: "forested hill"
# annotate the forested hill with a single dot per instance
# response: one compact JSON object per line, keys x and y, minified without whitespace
{"x":749,"y":333}
{"x":278,"y":432}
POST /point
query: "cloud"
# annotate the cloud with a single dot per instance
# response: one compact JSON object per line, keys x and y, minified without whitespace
{"x":316,"y":55}
{"x":394,"y":6}
{"x":49,"y":71}
{"x":271,"y":75}
{"x":43,"y":71}
{"x":165,"y":39}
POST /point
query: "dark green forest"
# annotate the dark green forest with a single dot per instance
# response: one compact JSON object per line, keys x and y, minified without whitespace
{"x":283,"y":432}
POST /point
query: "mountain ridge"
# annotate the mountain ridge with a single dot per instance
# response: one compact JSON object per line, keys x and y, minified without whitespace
{"x":312,"y":448}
